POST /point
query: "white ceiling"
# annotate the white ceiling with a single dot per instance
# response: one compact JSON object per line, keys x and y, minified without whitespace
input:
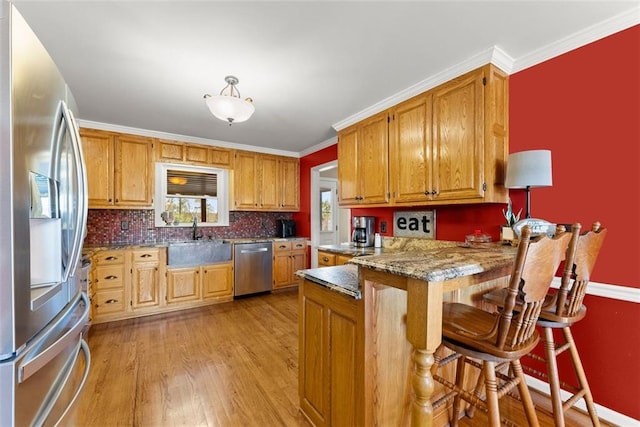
{"x":308,"y":65}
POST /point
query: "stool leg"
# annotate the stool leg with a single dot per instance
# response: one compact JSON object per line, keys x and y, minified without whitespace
{"x":461,"y":365}
{"x":554,"y":380}
{"x":582,"y":378}
{"x":527,"y":402}
{"x":491,"y":385}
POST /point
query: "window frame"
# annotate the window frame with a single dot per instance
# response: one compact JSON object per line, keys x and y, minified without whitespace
{"x":161,"y":192}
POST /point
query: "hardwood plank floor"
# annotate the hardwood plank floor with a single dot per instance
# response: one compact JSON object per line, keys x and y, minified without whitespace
{"x":231,"y":364}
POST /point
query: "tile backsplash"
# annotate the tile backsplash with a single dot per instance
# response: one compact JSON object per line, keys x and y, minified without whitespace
{"x":124,"y":227}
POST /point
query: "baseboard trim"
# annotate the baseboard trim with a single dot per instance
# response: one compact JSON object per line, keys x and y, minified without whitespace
{"x":603,"y":412}
{"x":621,"y":293}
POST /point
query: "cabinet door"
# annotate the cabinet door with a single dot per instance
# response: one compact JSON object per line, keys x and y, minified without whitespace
{"x":220,"y":157}
{"x":97,"y":148}
{"x":373,"y":160}
{"x":133,"y":171}
{"x":458,"y":142}
{"x":410,"y":150}
{"x":217,"y":281}
{"x":183,"y":284}
{"x":298,"y":262}
{"x":269,"y":183}
{"x":289,"y":185}
{"x":244,"y":178}
{"x":281,"y":269}
{"x":196,"y":154}
{"x":348,"y":193}
{"x":145,"y":285}
{"x":169,"y":151}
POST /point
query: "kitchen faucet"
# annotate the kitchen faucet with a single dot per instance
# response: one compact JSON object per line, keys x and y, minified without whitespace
{"x":196,"y":236}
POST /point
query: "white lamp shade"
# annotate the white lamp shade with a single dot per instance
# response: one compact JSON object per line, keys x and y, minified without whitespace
{"x":230,"y":108}
{"x":529,"y":169}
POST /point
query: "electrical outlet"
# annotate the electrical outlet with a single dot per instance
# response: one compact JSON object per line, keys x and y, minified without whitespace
{"x":124,"y":225}
{"x":383,"y":226}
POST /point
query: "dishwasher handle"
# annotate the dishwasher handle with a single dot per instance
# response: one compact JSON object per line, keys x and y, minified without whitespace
{"x":253,"y":251}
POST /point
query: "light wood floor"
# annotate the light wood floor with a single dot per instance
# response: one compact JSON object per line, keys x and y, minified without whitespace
{"x":232,"y":364}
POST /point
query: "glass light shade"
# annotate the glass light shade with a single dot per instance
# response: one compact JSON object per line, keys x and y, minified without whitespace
{"x":529,"y":169}
{"x":230,"y":108}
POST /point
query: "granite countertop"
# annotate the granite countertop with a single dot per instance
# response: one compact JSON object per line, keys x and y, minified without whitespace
{"x":160,"y":244}
{"x":422,"y":259}
{"x":443,"y":263}
{"x":340,"y":278}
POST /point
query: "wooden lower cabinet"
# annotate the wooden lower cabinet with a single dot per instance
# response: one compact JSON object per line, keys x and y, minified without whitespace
{"x":288,"y":257}
{"x":355,"y":362}
{"x":145,"y":278}
{"x":331,"y":374}
{"x":136,"y":282}
{"x":327,"y":259}
{"x":200,"y":284}
{"x":183,"y":284}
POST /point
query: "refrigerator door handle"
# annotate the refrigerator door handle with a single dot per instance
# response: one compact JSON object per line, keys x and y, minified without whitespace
{"x":34,"y":364}
{"x":81,"y":177}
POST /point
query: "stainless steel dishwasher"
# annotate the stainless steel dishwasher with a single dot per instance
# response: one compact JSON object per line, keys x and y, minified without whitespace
{"x":253,"y":268}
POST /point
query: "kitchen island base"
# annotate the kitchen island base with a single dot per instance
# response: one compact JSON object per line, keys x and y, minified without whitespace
{"x":356,"y":362}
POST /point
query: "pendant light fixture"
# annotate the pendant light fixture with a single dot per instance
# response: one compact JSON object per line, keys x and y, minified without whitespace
{"x":228,"y":106}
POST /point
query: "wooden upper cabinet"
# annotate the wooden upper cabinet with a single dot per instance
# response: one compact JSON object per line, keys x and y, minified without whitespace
{"x":410,"y":145}
{"x":446,"y":146}
{"x":134,"y":173}
{"x":245,"y":189}
{"x":363,"y":166}
{"x":98,"y":151}
{"x":458,"y":143}
{"x":268,"y":182}
{"x":119,"y":169}
{"x":182,"y":152}
{"x":289,"y":184}
{"x":264,"y":182}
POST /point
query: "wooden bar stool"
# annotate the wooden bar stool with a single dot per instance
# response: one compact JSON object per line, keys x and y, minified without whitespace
{"x":562,"y":309}
{"x":502,"y":338}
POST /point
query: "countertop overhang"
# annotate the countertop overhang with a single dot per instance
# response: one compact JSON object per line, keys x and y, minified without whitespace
{"x":437,"y":261}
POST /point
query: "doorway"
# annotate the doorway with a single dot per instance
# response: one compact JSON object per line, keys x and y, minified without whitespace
{"x":330,"y":225}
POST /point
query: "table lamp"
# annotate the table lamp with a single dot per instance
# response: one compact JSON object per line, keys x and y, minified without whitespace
{"x":527,"y":170}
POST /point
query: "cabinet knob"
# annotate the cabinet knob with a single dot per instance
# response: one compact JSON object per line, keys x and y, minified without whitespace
{"x":145,"y":255}
{"x":111,"y":277}
{"x":325,"y":259}
{"x":111,"y":258}
{"x":110,"y":301}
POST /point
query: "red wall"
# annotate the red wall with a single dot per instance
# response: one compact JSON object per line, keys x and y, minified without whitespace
{"x":585,"y":107}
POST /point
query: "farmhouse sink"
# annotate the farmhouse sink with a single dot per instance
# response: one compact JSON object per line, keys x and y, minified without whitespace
{"x":198,"y":252}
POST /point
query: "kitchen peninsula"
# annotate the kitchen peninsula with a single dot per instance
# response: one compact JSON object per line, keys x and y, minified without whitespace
{"x":368,"y":329}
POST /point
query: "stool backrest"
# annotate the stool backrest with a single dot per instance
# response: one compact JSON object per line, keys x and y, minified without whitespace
{"x":571,"y":294}
{"x":537,"y":261}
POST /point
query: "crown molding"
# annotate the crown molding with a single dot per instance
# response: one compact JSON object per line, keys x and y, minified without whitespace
{"x":502,"y":60}
{"x":321,"y":146}
{"x":581,"y":38}
{"x":182,"y":138}
{"x":488,"y":55}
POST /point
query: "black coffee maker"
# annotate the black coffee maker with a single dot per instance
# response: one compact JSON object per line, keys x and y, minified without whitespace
{"x":286,"y":228}
{"x":363,"y":231}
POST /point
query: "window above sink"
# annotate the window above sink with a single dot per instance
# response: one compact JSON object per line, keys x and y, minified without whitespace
{"x":184,"y":192}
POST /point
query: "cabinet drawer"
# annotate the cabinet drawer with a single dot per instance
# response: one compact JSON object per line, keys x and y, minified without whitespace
{"x":298,"y":246}
{"x":145,"y":255}
{"x":326,"y":259}
{"x":342,"y":259}
{"x":281,"y":246}
{"x":109,"y":302}
{"x":109,"y":277}
{"x":109,"y":257}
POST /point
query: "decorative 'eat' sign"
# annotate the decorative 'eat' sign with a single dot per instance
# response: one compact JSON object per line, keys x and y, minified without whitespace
{"x":414,"y":224}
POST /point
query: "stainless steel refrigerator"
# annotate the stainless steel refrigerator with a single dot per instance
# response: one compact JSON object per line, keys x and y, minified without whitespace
{"x":44,"y":359}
